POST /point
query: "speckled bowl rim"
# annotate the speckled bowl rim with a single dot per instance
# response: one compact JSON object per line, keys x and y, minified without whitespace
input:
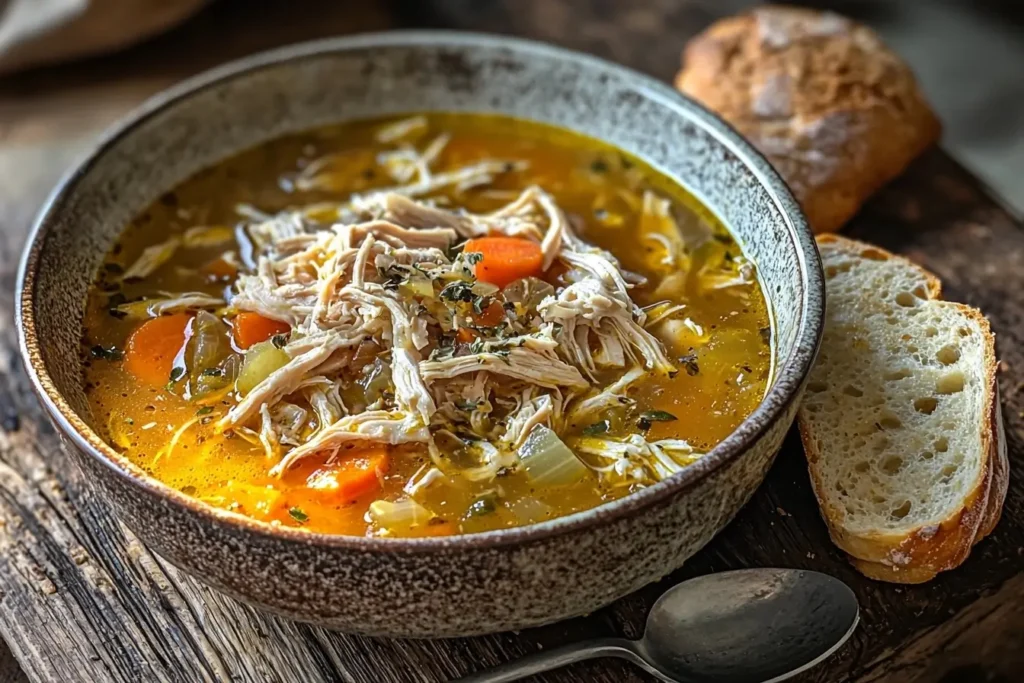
{"x":788,"y":377}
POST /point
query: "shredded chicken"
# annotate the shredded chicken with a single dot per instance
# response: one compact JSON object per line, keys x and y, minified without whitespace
{"x":174,"y":303}
{"x":285,"y":380}
{"x":636,"y":460}
{"x":424,"y":478}
{"x":517,"y":363}
{"x":378,"y":300}
{"x":391,"y":427}
{"x":202,"y":236}
{"x":401,"y":128}
{"x":532,"y":412}
{"x":611,"y":396}
{"x":152,"y":258}
{"x":400,"y":208}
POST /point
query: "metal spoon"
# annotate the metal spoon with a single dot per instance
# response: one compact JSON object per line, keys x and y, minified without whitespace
{"x":747,"y":626}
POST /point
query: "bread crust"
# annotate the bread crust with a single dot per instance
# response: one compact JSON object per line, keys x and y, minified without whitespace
{"x":859,"y":248}
{"x":929,"y":549}
{"x":836,"y":112}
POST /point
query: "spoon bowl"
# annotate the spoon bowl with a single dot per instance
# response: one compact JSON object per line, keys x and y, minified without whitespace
{"x":746,"y":626}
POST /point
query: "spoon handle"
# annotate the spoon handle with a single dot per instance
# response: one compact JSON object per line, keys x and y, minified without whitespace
{"x":554,"y":659}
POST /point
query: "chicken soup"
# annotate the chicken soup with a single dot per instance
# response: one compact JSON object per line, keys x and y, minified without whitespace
{"x":432,"y":325}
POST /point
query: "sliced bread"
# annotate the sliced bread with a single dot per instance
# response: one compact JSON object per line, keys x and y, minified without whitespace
{"x":901,"y":422}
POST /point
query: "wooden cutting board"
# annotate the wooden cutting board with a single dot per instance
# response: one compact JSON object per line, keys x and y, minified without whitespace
{"x":82,"y":600}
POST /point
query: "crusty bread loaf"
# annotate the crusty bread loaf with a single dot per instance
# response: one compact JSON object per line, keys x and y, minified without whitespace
{"x":834,"y":110}
{"x":901,"y":421}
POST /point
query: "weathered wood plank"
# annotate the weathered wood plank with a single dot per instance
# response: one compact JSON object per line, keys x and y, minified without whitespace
{"x":81,"y":599}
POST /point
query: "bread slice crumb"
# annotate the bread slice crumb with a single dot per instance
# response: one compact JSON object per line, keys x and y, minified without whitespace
{"x":900,"y":421}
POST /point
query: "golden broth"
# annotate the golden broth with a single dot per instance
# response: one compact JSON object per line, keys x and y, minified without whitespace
{"x":722,"y":343}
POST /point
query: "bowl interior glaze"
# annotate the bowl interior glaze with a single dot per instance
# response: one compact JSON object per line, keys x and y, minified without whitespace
{"x":206,"y":119}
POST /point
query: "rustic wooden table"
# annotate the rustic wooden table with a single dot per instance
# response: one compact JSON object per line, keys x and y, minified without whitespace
{"x":82,"y":600}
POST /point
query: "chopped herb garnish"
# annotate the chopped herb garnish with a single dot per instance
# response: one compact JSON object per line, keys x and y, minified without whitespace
{"x":597,"y":428}
{"x":648,"y":417}
{"x":689,"y":361}
{"x":205,"y":410}
{"x":212,"y":372}
{"x":298,"y":515}
{"x":458,"y":291}
{"x":279,"y":340}
{"x":724,"y":239}
{"x":113,"y":268}
{"x":766,"y":335}
{"x":395,"y":280}
{"x":468,"y":406}
{"x":599,"y":166}
{"x":106,"y":352}
{"x":472,"y":257}
{"x":177,"y":372}
{"x":658,"y":416}
{"x":478,"y":305}
{"x":484,"y":505}
{"x":477,"y":346}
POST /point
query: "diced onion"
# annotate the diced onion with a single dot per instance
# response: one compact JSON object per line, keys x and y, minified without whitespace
{"x":400,"y":515}
{"x":481,"y":288}
{"x":548,"y":461}
{"x":260,"y":362}
{"x":418,"y":286}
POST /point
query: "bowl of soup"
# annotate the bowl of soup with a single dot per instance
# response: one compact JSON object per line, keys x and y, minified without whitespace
{"x":422,"y":334}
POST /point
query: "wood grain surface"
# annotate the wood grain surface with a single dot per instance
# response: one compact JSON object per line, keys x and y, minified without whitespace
{"x":82,"y":600}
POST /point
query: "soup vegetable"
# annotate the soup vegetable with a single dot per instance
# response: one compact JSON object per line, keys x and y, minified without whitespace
{"x":433,"y":325}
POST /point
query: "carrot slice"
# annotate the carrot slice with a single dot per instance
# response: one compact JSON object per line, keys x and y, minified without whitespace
{"x":466,"y":335}
{"x":252,"y":328}
{"x":352,"y":475}
{"x":491,"y":316}
{"x":153,"y":346}
{"x":505,"y":259}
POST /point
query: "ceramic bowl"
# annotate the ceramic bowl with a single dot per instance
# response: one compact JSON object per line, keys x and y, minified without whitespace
{"x":499,"y":580}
